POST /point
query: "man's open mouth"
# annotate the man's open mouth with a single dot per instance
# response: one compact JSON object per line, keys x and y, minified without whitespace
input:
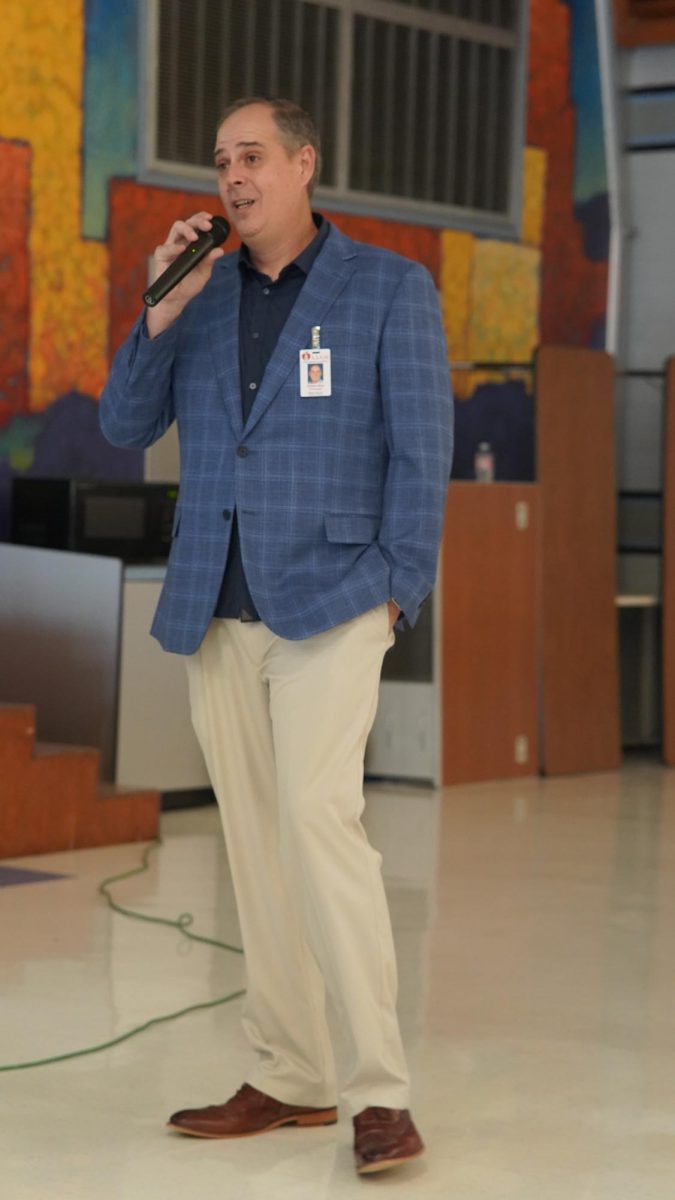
{"x":239,"y":204}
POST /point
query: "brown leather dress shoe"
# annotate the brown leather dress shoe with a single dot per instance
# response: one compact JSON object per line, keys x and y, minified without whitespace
{"x":246,"y":1114}
{"x":384,"y":1137}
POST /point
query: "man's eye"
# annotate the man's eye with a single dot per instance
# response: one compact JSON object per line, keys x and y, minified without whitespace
{"x":220,"y":166}
{"x":252,"y":157}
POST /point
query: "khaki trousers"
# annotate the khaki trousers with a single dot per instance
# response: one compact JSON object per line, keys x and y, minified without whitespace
{"x":283,"y":727}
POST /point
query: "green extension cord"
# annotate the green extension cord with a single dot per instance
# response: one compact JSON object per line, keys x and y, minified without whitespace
{"x":182,"y":923}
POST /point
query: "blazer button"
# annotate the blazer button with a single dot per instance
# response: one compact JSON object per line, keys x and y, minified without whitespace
{"x":227,"y":514}
{"x":242,"y":451}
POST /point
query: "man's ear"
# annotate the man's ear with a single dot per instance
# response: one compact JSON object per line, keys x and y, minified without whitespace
{"x":307,"y":159}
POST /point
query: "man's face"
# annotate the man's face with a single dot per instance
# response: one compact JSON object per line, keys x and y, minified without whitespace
{"x":263,"y":187}
{"x":315,"y":373}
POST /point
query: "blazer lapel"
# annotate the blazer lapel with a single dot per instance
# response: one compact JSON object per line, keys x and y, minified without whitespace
{"x":331,"y":270}
{"x":224,"y":335}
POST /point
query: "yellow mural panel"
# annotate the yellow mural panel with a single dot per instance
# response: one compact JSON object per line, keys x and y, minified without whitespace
{"x":534,"y":195}
{"x":41,"y":49}
{"x":457,"y":251}
{"x":504,"y":303}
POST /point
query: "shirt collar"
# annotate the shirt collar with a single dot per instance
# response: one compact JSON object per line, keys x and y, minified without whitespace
{"x":305,"y":258}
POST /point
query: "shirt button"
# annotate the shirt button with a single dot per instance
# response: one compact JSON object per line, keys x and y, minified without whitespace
{"x":242,"y":451}
{"x":255,"y":335}
{"x":252,"y":386}
{"x":227,"y":514}
{"x":266,"y":291}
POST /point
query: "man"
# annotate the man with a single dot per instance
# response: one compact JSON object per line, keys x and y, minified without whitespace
{"x":307,"y":522}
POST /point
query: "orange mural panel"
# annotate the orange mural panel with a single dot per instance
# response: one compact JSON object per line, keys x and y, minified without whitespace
{"x":140,"y":219}
{"x":418,"y":242}
{"x":141,"y":216}
{"x":15,"y":170}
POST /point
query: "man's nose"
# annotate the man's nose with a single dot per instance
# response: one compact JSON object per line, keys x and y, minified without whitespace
{"x":235,"y":177}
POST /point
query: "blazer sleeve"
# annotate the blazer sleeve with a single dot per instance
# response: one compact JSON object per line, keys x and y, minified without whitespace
{"x":136,"y":405}
{"x":418,"y":418}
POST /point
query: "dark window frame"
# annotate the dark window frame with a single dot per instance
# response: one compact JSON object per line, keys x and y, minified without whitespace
{"x":339,"y":196}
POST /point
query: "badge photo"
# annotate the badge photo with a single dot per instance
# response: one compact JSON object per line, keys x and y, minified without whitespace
{"x":315,"y":373}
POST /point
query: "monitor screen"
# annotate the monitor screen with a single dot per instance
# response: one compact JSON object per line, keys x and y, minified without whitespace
{"x":116,"y":517}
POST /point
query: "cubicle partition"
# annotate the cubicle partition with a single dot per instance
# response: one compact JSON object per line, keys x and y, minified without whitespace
{"x":527,"y":638}
{"x":490,"y":632}
{"x":668,"y":571}
{"x":579,"y":650}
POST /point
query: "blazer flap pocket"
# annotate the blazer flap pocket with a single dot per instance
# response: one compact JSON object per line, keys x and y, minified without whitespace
{"x":352,"y":527}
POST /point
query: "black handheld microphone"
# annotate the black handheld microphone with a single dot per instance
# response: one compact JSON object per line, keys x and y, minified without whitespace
{"x":190,"y":256}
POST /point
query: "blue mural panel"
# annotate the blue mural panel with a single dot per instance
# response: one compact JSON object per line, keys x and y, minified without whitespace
{"x":590,"y":167}
{"x":110,"y":105}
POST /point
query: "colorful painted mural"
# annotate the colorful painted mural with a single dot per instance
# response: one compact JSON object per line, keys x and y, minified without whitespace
{"x":76,"y":227}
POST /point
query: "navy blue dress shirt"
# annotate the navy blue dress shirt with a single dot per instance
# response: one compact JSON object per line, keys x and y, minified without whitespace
{"x":264,"y":309}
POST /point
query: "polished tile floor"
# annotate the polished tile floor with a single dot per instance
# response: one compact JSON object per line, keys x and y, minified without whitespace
{"x":535,"y":926}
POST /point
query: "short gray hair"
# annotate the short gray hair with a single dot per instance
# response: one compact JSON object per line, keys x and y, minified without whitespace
{"x":296,"y":127}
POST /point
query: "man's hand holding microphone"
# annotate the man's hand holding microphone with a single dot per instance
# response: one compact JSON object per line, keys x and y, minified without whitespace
{"x":183,"y":266}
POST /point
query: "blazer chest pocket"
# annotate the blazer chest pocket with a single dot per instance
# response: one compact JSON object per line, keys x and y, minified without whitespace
{"x":351,"y":528}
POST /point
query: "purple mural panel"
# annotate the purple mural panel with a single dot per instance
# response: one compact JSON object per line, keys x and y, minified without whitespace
{"x":65,"y":442}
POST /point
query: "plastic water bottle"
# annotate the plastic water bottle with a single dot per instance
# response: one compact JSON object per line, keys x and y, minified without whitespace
{"x":484,"y":463}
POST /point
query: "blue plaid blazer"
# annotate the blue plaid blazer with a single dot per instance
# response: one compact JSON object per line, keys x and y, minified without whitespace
{"x":340,"y":499}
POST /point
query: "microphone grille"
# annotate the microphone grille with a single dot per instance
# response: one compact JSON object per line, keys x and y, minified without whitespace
{"x":220,"y":229}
